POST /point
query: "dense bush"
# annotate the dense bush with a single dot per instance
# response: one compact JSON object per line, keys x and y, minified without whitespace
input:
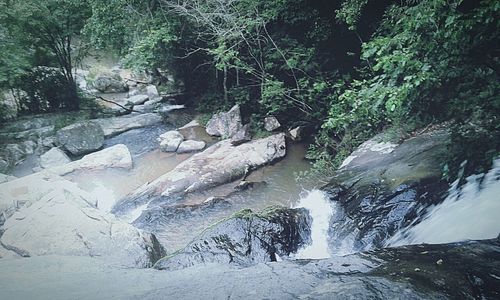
{"x":45,"y":90}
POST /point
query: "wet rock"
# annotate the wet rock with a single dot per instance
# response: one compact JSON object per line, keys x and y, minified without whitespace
{"x":225,"y":124}
{"x":271,"y":123}
{"x":66,"y":222}
{"x":170,"y":141}
{"x":138,"y":99}
{"x":218,"y":164}
{"x":110,"y":83}
{"x":191,"y":146}
{"x":117,"y":125}
{"x":165,"y":109}
{"x":245,"y":239}
{"x":53,"y":158}
{"x":245,"y":185}
{"x":80,"y":138}
{"x":242,"y":136}
{"x":383,"y":186}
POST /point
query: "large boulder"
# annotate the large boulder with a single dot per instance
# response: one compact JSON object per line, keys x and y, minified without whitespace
{"x":53,"y":158}
{"x":116,"y":125}
{"x":217,"y":165}
{"x":191,"y":146}
{"x":110,"y":83}
{"x":117,"y":156}
{"x":80,"y":138}
{"x":383,"y":186}
{"x":225,"y":124}
{"x":66,"y":222}
{"x":170,"y":141}
{"x":245,"y":239}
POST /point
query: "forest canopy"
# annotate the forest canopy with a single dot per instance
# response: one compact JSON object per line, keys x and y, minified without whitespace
{"x":346,"y":68}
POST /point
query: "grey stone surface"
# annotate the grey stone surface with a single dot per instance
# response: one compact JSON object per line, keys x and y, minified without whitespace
{"x":225,"y":124}
{"x":242,"y":136}
{"x":117,"y":125}
{"x":191,"y":146}
{"x":170,"y":141}
{"x":80,"y":138}
{"x":53,"y":158}
{"x":271,"y":123}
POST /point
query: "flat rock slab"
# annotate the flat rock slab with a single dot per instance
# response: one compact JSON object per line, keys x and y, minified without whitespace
{"x":27,"y":190}
{"x":469,"y":271}
{"x":53,"y":158}
{"x":65,"y":222}
{"x":117,"y":125}
{"x":191,"y":146}
{"x":218,"y":164}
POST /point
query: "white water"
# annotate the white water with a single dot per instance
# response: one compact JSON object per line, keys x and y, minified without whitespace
{"x":469,"y":212}
{"x":321,"y":210}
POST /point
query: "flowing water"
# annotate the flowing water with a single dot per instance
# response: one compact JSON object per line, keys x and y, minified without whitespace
{"x":321,"y":209}
{"x":471,"y":211}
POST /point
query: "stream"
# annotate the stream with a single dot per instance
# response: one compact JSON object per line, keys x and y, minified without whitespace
{"x":276,"y":184}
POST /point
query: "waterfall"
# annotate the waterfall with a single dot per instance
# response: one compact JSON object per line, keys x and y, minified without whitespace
{"x":321,"y":209}
{"x":471,"y":211}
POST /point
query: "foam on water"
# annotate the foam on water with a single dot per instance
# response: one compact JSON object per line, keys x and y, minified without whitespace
{"x":321,"y":210}
{"x":471,"y":211}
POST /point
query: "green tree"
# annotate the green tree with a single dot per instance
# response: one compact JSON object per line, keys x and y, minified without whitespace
{"x":51,"y":24}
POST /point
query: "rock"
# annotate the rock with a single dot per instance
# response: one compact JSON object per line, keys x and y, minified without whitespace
{"x":191,"y":146}
{"x":165,"y":109}
{"x":5,"y":178}
{"x":26,"y":190}
{"x":218,"y":164}
{"x":170,"y":141}
{"x":110,"y":83}
{"x":14,"y":154}
{"x":297,"y":133}
{"x":357,"y":276}
{"x":245,"y":239}
{"x":65,"y":222}
{"x":53,"y":158}
{"x":138,"y":99}
{"x":382,"y":185}
{"x":49,"y":142}
{"x":117,"y":156}
{"x":117,"y":125}
{"x":149,"y":106}
{"x":271,"y":123}
{"x":225,"y":124}
{"x":242,"y":136}
{"x":30,"y":134}
{"x":152,"y":91}
{"x":193,"y":123}
{"x":80,"y":138}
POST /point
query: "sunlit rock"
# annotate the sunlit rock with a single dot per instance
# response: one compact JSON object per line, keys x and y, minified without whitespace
{"x":53,"y":158}
{"x":191,"y":146}
{"x":225,"y":124}
{"x":170,"y":141}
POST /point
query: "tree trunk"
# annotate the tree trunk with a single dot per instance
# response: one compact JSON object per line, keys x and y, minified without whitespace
{"x":226,"y":97}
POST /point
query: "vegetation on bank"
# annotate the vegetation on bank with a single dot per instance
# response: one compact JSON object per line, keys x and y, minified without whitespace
{"x":347,"y":68}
